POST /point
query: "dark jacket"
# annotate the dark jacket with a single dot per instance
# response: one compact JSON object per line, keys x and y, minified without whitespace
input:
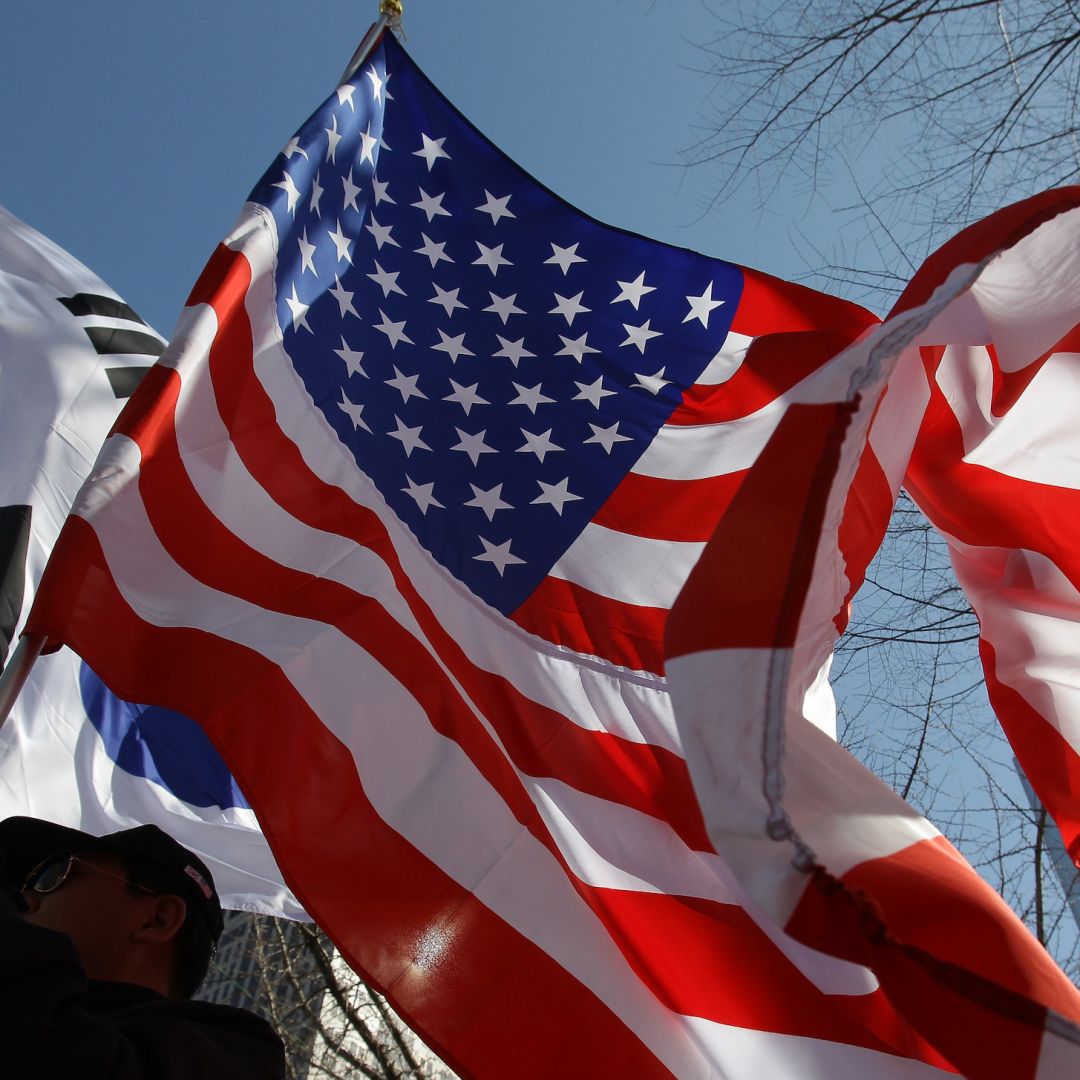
{"x":56,"y":1024}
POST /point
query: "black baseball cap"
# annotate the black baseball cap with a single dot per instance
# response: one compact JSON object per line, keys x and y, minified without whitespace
{"x":26,"y":842}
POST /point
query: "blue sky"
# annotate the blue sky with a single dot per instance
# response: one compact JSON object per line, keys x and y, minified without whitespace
{"x":132,"y":132}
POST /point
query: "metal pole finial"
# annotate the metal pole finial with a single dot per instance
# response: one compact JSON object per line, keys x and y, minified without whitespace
{"x":392,"y":11}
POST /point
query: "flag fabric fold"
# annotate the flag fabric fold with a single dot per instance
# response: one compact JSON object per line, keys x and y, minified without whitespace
{"x":71,"y":353}
{"x":398,"y":517}
{"x":970,"y":378}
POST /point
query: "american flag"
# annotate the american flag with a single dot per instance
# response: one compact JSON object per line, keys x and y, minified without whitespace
{"x":398,"y":518}
{"x":980,"y":396}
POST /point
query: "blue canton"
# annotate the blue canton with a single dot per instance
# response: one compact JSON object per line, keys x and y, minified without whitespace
{"x":495,"y":360}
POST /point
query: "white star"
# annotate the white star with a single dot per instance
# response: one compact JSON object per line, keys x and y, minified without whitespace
{"x":409,"y":437}
{"x":575,"y":347}
{"x":431,"y":205}
{"x":491,"y":257}
{"x":431,"y":151}
{"x":291,"y":191}
{"x":345,"y":93}
{"x":316,"y":195}
{"x":465,"y":396}
{"x":453,"y":346}
{"x":607,"y":437}
{"x":530,"y":397}
{"x":382,"y":193}
{"x":504,"y":306}
{"x":381,"y":233}
{"x":473,"y":445}
{"x":395,"y":331}
{"x":342,"y":243}
{"x":540,"y":445}
{"x":405,"y":385}
{"x":435,"y":252}
{"x":351,"y":191}
{"x":422,"y":494}
{"x":653,"y":383}
{"x":333,"y":137}
{"x":299,"y":311}
{"x":701,"y":307}
{"x":497,"y":554}
{"x":489,"y":501}
{"x":367,"y":149}
{"x":592,"y":392}
{"x":376,"y":83}
{"x":386,"y":280}
{"x":448,"y":299}
{"x":352,"y":411}
{"x":633,"y":291}
{"x":344,"y":299}
{"x":497,"y":208}
{"x":351,"y":357}
{"x":293,"y":147}
{"x":512,"y":350}
{"x":307,"y":253}
{"x":569,"y":306}
{"x":639,"y":335}
{"x":556,"y":494}
{"x":564,"y":257}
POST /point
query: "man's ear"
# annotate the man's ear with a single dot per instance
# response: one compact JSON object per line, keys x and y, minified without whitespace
{"x":162,"y":919}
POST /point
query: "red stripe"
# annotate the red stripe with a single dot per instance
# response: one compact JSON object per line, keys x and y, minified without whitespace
{"x":757,"y":566}
{"x":660,"y":509}
{"x":948,"y":952}
{"x":774,"y":364}
{"x":770,"y":305}
{"x":1049,"y":761}
{"x":628,"y":635}
{"x":705,"y":943}
{"x":493,"y":1001}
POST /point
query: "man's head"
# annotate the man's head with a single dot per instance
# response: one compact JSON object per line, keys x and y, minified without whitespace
{"x":138,"y":906}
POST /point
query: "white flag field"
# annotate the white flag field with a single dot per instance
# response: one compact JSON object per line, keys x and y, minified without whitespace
{"x":599,"y":824}
{"x":71,"y":352}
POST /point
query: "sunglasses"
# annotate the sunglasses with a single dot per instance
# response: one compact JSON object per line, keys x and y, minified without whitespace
{"x":50,"y":874}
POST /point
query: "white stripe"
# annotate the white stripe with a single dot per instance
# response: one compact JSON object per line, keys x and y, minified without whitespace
{"x":632,"y":569}
{"x":727,"y":361}
{"x":700,"y":451}
{"x":1036,"y":439}
{"x":1029,"y":611}
{"x":1024,"y":300}
{"x":896,"y":424}
{"x":460,"y":823}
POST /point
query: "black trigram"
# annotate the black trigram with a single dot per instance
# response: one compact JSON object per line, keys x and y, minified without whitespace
{"x":14,"y":538}
{"x":116,"y":340}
